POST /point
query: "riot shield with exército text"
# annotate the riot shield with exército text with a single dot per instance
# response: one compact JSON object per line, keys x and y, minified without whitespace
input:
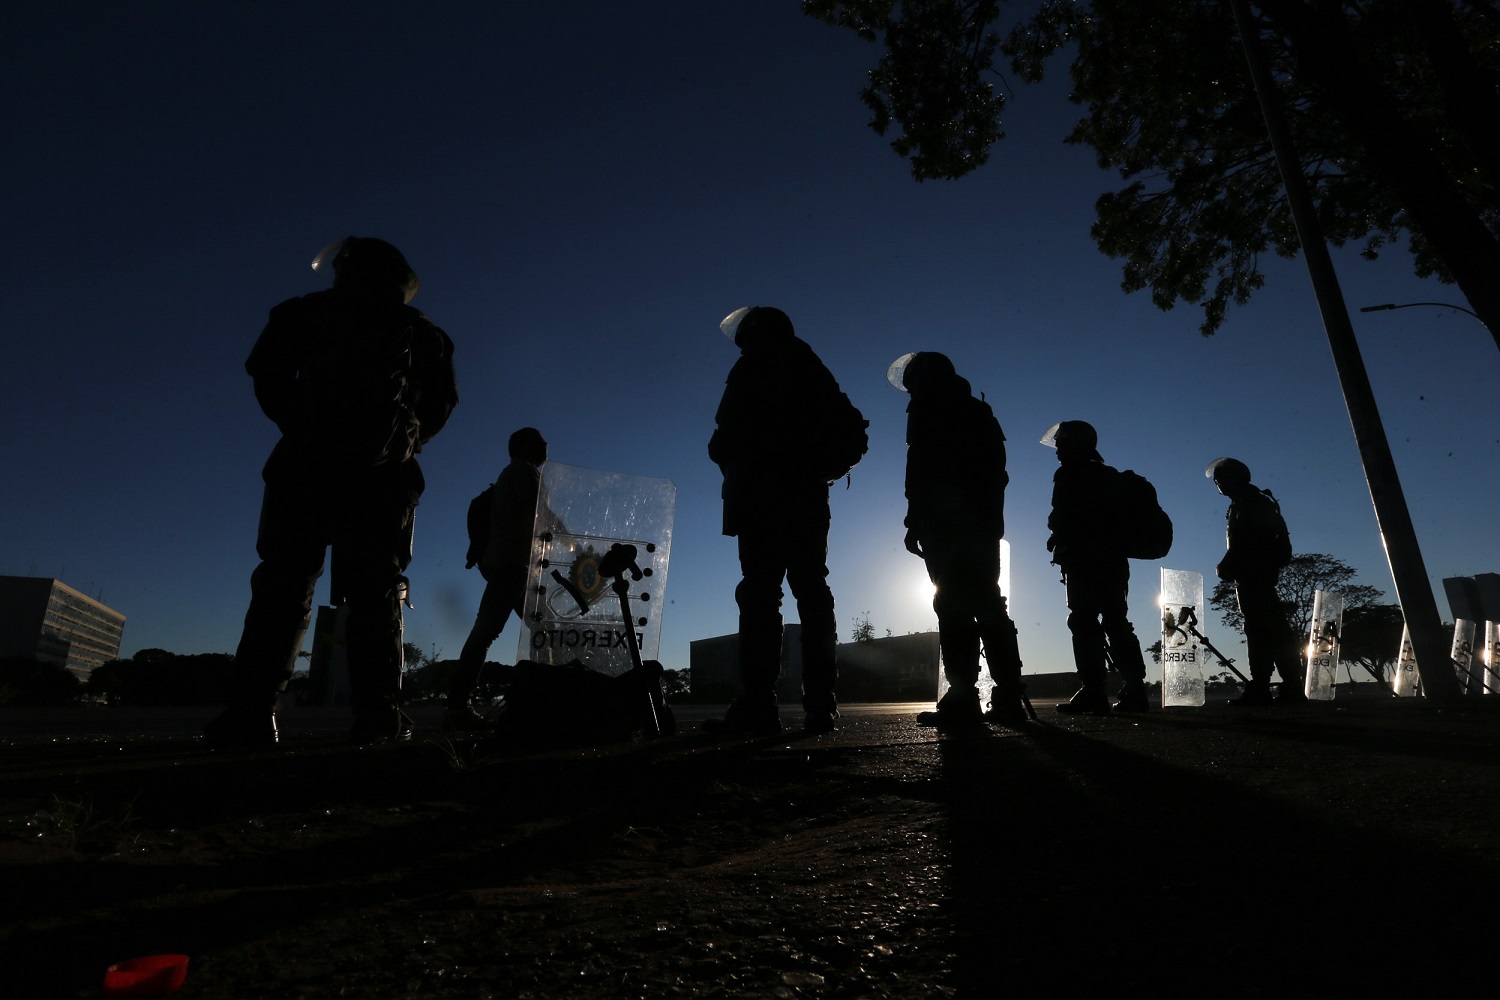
{"x":573,"y":613}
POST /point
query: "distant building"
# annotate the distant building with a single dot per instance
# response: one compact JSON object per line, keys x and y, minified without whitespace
{"x":328,"y":668}
{"x":1475,"y":602}
{"x":1474,"y":598}
{"x":48,"y":620}
{"x":896,"y":668}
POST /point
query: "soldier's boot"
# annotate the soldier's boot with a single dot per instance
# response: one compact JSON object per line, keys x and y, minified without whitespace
{"x":959,"y":706}
{"x":1008,"y":706}
{"x":1132,"y":697}
{"x":753,"y":713}
{"x":1089,"y":657}
{"x":1257,"y":692}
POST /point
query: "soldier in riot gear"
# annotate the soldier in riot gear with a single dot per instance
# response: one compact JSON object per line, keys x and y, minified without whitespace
{"x":1257,"y":548}
{"x":1095,"y":572}
{"x":776,"y":504}
{"x":955,"y":518}
{"x":516,"y":503}
{"x":357,"y":381}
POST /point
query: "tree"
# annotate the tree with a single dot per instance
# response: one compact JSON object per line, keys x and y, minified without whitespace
{"x":107,"y":679}
{"x":412,"y":657}
{"x":863,"y":630}
{"x":428,"y":679}
{"x":28,"y":681}
{"x":1300,"y":580}
{"x":1222,"y":681}
{"x":1392,"y":106}
{"x":1372,"y":638}
{"x":157,"y":677}
{"x":676,"y":685}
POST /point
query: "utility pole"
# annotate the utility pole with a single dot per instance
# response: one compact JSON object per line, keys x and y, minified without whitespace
{"x":1413,"y":588}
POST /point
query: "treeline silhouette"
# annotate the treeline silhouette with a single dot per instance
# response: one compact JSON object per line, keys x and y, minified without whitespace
{"x":150,"y":677}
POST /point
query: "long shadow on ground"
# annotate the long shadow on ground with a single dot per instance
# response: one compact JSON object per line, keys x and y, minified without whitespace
{"x":1174,"y":854}
{"x":1083,"y":866}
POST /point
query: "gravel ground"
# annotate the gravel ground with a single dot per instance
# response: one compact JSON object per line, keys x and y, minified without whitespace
{"x":1333,"y":850}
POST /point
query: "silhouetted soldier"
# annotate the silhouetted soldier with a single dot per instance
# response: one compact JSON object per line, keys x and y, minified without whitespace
{"x":1258,"y":547}
{"x":955,"y":518}
{"x":514,"y":503}
{"x":775,"y":408}
{"x":357,"y":381}
{"x":1095,"y":571}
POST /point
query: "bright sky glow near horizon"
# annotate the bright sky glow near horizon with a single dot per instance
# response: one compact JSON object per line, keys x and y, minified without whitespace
{"x":586,"y":191}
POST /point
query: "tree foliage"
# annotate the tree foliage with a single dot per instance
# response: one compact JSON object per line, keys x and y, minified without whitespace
{"x":677,"y":685}
{"x":863,"y":630}
{"x":427,"y":679}
{"x":932,"y":81}
{"x":28,"y":681}
{"x":1392,"y":104}
{"x":1372,"y":638}
{"x":412,"y":656}
{"x":157,"y":677}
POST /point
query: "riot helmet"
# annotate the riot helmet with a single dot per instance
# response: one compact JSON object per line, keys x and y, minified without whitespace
{"x":920,"y":371}
{"x":368,"y":264}
{"x":751,"y":324}
{"x":1071,"y":436}
{"x":1228,"y":472}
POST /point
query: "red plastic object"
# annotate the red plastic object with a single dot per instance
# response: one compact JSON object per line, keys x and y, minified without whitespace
{"x":152,"y":976}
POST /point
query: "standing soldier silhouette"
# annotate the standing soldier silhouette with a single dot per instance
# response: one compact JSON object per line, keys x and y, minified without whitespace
{"x":784,"y":431}
{"x":516,"y":502}
{"x":1257,"y":548}
{"x":357,"y":381}
{"x":1095,"y":571}
{"x":955,"y":518}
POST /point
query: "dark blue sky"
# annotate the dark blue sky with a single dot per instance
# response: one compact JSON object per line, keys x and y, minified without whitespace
{"x":586,"y":191}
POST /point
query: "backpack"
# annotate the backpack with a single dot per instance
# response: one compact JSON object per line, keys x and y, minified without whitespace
{"x":839,"y":439}
{"x":1278,"y":546}
{"x":479,"y":525}
{"x":1142,"y":530}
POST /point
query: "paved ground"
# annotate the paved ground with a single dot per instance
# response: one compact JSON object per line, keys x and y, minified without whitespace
{"x":1332,"y":850}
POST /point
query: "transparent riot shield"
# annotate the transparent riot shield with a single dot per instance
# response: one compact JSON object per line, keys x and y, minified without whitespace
{"x":1491,"y":658}
{"x":1182,"y":681}
{"x":573,"y":612}
{"x":1323,"y":638}
{"x":1407,"y":683}
{"x":1463,"y":655}
{"x":986,"y":683}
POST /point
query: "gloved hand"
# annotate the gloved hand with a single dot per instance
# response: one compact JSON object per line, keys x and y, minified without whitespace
{"x":913,"y":543}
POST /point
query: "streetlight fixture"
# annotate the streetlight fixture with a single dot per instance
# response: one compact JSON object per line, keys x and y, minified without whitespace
{"x":1408,"y":305}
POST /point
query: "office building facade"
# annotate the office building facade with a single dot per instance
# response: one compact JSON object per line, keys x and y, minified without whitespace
{"x":48,"y":620}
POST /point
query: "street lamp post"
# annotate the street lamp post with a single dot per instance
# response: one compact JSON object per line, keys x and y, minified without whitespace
{"x":1413,"y":587}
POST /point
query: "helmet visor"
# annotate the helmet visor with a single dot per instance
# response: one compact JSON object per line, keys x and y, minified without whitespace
{"x":323,"y":262}
{"x":896,"y":373}
{"x":1227,"y":468}
{"x":731,"y":323}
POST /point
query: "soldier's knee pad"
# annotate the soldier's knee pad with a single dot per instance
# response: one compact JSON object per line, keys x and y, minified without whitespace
{"x":757,"y":596}
{"x":1080,"y":623}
